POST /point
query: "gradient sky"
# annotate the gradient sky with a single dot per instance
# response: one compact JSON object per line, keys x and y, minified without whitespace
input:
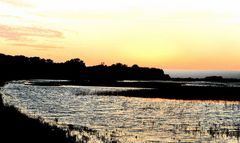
{"x":169,"y":34}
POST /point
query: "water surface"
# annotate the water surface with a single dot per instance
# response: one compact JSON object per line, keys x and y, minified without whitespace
{"x":127,"y":119}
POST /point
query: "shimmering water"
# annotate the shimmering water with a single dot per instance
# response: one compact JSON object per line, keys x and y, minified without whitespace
{"x":128,"y":119}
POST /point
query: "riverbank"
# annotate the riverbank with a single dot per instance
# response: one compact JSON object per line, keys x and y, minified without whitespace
{"x":17,"y":127}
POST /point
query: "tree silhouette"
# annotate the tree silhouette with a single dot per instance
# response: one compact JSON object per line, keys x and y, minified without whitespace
{"x":76,"y":62}
{"x":135,"y":67}
{"x":21,"y":67}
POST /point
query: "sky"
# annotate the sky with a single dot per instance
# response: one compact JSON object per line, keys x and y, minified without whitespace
{"x":172,"y":34}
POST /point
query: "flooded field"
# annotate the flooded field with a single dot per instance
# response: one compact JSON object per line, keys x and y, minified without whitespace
{"x":127,"y":119}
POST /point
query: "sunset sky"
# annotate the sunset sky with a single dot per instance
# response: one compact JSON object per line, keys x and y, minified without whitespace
{"x":169,"y":34}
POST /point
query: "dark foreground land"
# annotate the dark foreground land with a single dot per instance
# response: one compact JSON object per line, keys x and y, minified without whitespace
{"x":16,"y":127}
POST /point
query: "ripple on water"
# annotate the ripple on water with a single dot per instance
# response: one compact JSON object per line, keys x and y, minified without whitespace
{"x":128,"y":119}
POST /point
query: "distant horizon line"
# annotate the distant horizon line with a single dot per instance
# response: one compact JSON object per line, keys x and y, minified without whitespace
{"x":204,"y":70}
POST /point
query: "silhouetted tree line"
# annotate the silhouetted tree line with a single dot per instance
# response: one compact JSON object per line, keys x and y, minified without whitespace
{"x":21,"y":67}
